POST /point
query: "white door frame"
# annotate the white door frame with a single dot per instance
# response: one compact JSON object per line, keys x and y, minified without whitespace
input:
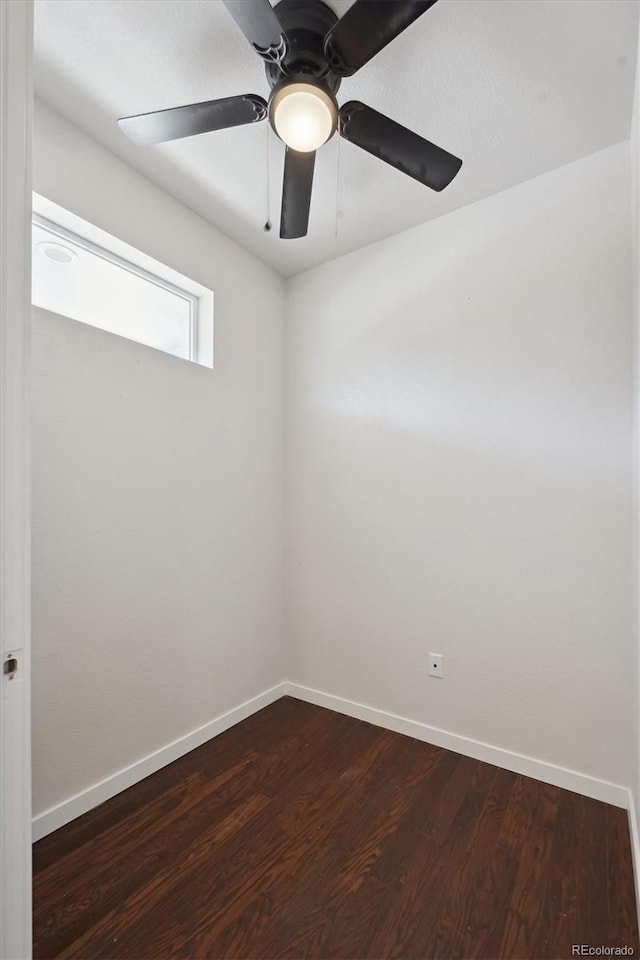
{"x":16,"y":45}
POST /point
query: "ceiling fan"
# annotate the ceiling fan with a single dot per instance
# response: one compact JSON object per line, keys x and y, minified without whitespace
{"x":307,"y":52}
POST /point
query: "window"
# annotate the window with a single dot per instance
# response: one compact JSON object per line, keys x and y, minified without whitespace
{"x":84,"y":273}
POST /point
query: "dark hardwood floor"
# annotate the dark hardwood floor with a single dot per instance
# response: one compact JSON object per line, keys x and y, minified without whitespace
{"x":303,"y":833}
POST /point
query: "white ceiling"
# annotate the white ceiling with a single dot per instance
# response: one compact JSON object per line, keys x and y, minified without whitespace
{"x":513,"y":87}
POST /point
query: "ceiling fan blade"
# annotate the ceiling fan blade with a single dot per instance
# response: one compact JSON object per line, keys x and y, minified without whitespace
{"x":261,"y":27}
{"x":366,"y":28}
{"x":178,"y":122}
{"x":296,"y":193}
{"x":393,"y":143}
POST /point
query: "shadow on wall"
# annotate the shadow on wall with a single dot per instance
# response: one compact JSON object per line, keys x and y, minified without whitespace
{"x":504,"y":364}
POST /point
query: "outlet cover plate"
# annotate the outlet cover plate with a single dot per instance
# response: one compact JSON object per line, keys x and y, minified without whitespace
{"x":436,"y":667}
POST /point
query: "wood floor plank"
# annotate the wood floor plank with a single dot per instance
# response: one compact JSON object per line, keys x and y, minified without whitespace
{"x":346,"y":902}
{"x":303,"y":833}
{"x":147,"y":840}
{"x":522,"y":929}
{"x":191,"y":890}
{"x":431,"y":867}
{"x":259,"y":731}
{"x":314,"y":890}
{"x":466,"y":901}
{"x":299,"y":833}
{"x":162,"y":850}
{"x":235,"y":935}
{"x":620,"y":883}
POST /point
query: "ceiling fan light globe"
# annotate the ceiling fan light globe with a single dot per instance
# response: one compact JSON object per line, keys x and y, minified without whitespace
{"x":303,"y":116}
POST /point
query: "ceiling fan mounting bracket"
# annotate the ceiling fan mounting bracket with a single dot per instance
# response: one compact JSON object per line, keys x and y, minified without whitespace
{"x":335,"y":61}
{"x":259,"y":108}
{"x":273,"y":54}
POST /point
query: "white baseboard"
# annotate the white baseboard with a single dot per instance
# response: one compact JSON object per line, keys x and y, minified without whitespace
{"x":635,"y":848}
{"x":87,"y":799}
{"x":518,"y":763}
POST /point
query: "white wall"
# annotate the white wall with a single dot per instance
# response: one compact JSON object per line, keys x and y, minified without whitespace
{"x":458,"y":471}
{"x":157,"y":494}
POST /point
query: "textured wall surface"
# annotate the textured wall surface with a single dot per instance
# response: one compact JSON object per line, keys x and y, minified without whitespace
{"x":157,"y":495}
{"x":459,"y":471}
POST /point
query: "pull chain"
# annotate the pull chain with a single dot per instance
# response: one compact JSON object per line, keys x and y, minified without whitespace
{"x":268,"y":225}
{"x":337,"y":186}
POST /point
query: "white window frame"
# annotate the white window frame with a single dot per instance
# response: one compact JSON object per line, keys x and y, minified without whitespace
{"x":67,"y":226}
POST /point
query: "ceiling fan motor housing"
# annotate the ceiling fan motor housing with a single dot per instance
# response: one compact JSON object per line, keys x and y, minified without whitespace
{"x":306,"y":24}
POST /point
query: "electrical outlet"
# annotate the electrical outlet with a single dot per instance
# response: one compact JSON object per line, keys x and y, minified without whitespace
{"x":435,"y":665}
